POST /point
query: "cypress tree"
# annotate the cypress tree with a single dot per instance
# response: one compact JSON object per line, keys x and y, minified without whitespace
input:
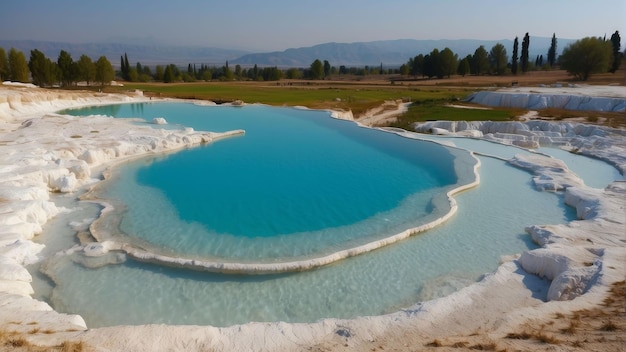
{"x":515,"y":57}
{"x":4,"y":65}
{"x":123,"y":69}
{"x":126,"y":68}
{"x":617,"y":54}
{"x":524,"y":57}
{"x":18,"y":67}
{"x":552,"y":51}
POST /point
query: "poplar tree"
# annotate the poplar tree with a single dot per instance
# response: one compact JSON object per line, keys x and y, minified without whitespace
{"x":552,"y":51}
{"x":524,"y":57}
{"x":122,"y":66}
{"x":68,"y":69}
{"x":126,"y":67}
{"x":42,"y":70}
{"x":18,"y":67}
{"x":515,"y":58}
{"x":617,"y":54}
{"x":4,"y":65}
{"x":168,"y":75}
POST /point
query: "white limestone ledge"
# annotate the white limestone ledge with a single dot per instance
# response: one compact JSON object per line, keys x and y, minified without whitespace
{"x":580,"y":98}
{"x":580,"y":259}
{"x":43,"y":152}
{"x":599,"y":142}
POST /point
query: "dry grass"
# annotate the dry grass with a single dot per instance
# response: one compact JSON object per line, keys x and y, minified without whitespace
{"x":16,"y":342}
{"x":596,"y":329}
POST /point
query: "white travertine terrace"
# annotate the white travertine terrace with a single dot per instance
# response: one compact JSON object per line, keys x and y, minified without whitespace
{"x":43,"y":152}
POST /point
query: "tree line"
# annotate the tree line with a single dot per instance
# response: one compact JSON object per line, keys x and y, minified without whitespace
{"x":581,"y":59}
{"x":44,"y":72}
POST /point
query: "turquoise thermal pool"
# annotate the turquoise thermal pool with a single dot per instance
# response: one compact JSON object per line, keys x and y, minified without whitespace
{"x":315,"y":186}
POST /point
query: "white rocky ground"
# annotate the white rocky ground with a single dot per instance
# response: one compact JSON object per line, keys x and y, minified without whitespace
{"x":43,"y":152}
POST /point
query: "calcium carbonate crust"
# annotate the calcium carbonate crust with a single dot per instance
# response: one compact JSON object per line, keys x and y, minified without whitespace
{"x":43,"y":152}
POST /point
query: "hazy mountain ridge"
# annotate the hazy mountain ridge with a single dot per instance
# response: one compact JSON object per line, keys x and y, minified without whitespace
{"x":386,"y":52}
{"x":148,"y":54}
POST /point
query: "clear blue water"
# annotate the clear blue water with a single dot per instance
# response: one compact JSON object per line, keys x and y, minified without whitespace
{"x":435,"y":263}
{"x":297,"y":183}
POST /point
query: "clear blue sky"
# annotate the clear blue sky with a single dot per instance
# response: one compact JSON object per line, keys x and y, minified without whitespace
{"x":271,"y":25}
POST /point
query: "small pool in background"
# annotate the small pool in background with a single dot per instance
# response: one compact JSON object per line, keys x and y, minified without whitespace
{"x":432,"y":264}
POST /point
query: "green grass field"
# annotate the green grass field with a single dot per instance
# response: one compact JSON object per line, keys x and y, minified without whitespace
{"x":439,"y":110}
{"x":317,"y":95}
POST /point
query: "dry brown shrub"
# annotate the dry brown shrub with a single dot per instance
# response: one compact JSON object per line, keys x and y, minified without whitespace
{"x":519,"y":336}
{"x":571,"y":329}
{"x":609,"y":325}
{"x":484,"y":347}
{"x":545,"y":338}
{"x":435,"y":343}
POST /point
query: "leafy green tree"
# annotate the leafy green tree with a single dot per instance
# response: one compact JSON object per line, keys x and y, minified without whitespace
{"x":168,"y":75}
{"x":133,"y":75}
{"x":448,"y":61}
{"x":238,"y":72}
{"x":4,"y":65}
{"x":326,"y":68}
{"x":480,"y":61}
{"x":68,"y":69}
{"x":524,"y":57}
{"x":404,"y":69}
{"x":294,"y":73}
{"x":416,"y":65}
{"x":43,"y":71}
{"x":552,"y":51}
{"x":498,"y":58}
{"x":86,"y":69}
{"x":272,"y":74}
{"x":428,"y":68}
{"x":433,"y":64}
{"x":104,"y":71}
{"x":617,"y":54}
{"x":159,"y":73}
{"x":464,"y":66}
{"x":515,"y":58}
{"x":18,"y":67}
{"x":206,"y":75}
{"x":227,"y":73}
{"x":145,"y":74}
{"x":317,"y":70}
{"x":586,"y":56}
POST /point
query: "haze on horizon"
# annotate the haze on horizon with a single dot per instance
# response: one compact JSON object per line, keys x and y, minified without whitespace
{"x":277,"y":25}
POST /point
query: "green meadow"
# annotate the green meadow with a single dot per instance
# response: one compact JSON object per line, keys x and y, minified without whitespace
{"x":428,"y":103}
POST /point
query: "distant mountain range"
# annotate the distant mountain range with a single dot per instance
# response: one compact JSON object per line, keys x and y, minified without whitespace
{"x":386,"y":52}
{"x":150,"y":54}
